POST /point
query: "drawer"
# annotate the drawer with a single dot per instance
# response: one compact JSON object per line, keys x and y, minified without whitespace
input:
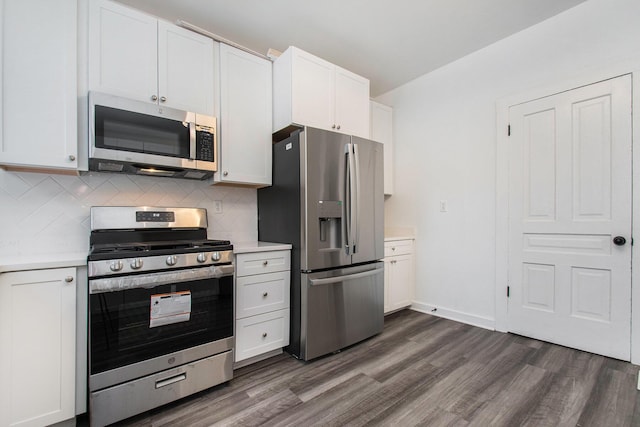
{"x":262,"y":262}
{"x":262,"y":333}
{"x":262,"y":293}
{"x":398,"y":247}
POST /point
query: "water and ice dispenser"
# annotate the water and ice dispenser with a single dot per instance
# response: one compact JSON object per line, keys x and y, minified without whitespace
{"x":330,"y":223}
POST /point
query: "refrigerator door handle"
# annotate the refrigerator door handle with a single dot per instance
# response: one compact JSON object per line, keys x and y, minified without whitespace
{"x":352,"y":196}
{"x":356,"y":199}
{"x":330,"y":280}
{"x":348,"y":197}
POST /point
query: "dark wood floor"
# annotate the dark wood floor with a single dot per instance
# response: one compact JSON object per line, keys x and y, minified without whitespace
{"x":422,"y":370}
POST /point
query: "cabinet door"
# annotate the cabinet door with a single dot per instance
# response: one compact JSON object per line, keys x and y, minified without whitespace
{"x":400,"y":281}
{"x":39,"y":85}
{"x":122,"y":51}
{"x":387,"y":284}
{"x":245,"y":118}
{"x":312,"y":91}
{"x":185,"y":69}
{"x":37,"y":347}
{"x":351,"y":103}
{"x":382,"y":131}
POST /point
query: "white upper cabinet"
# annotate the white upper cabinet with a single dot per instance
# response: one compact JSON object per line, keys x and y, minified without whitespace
{"x":351,"y":103}
{"x":309,"y":91}
{"x":382,"y":131}
{"x":136,"y":56}
{"x":185,"y":69}
{"x":38,"y":95}
{"x":245,"y":118}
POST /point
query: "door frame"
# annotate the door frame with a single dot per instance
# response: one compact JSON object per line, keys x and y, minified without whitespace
{"x":502,"y":187}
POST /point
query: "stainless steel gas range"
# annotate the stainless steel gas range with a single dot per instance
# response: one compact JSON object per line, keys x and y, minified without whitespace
{"x":160,"y":309}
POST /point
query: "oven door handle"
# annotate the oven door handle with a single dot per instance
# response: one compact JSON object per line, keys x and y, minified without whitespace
{"x":151,"y":280}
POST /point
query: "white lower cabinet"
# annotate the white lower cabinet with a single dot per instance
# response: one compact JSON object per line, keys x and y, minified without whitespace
{"x":399,"y":277}
{"x":37,"y":347}
{"x":262,"y":303}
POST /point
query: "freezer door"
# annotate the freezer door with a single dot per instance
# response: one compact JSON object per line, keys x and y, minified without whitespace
{"x":368,"y":201}
{"x":322,"y":175}
{"x":340,"y":307}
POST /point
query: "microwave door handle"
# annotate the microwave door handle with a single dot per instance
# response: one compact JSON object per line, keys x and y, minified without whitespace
{"x":192,"y":141}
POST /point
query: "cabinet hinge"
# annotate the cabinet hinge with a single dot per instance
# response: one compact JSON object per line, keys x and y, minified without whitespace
{"x":508,"y":291}
{"x":508,"y":130}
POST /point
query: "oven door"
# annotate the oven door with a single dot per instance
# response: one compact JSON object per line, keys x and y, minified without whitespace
{"x":141,"y":324}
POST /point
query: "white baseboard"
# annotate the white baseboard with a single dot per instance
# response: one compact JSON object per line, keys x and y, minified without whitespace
{"x":458,"y":316}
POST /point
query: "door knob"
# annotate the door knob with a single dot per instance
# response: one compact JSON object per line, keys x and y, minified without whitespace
{"x":619,"y":240}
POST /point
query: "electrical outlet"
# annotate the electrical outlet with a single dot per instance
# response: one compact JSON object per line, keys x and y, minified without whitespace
{"x":443,"y":205}
{"x":217,"y":206}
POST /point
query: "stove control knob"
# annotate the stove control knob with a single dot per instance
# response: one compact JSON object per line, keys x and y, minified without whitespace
{"x":172,"y":260}
{"x":202,"y":257}
{"x":116,"y":265}
{"x":215,"y":256}
{"x":136,"y":264}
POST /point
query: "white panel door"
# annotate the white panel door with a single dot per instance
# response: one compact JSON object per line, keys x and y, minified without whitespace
{"x":245,"y":118}
{"x":352,"y":103}
{"x":37,"y":347}
{"x":123,"y":46}
{"x":313,"y":91}
{"x":569,"y":198}
{"x":185,"y":69}
{"x":38,"y":102}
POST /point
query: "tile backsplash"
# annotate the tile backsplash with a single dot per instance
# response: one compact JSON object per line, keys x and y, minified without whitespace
{"x":44,"y":214}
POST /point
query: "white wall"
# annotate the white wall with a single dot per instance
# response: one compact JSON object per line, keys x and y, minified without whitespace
{"x":42,"y":214}
{"x":445,"y":144}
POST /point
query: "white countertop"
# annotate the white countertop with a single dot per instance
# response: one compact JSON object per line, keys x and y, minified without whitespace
{"x":399,"y":233}
{"x":398,"y":237}
{"x":22,"y":263}
{"x":255,"y":246}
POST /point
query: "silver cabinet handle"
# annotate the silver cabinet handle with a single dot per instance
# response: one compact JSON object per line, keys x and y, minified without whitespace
{"x":264,"y":335}
{"x":163,"y":99}
{"x":264,"y":295}
{"x":154,"y":97}
{"x":338,"y":127}
{"x":333,"y":127}
{"x":68,"y":279}
{"x":393,"y":249}
{"x":265,"y":263}
{"x":72,"y":157}
{"x":225,"y":173}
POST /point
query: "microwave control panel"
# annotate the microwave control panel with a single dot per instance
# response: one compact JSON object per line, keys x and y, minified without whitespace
{"x":204,"y":145}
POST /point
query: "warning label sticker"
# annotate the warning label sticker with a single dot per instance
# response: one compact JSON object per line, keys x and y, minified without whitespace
{"x":170,"y":308}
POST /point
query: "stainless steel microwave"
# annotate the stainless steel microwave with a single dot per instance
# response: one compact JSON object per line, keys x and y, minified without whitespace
{"x":141,"y":138}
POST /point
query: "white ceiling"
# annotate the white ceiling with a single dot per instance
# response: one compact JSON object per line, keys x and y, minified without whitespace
{"x":388,"y":41}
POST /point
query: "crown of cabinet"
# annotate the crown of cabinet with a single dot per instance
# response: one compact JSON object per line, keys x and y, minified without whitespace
{"x":309,"y":91}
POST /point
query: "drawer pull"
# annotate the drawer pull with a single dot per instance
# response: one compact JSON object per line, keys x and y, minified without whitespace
{"x":264,"y":335}
{"x":265,"y":263}
{"x":264,"y":295}
{"x":393,"y":249}
{"x":68,"y":279}
{"x":172,"y":380}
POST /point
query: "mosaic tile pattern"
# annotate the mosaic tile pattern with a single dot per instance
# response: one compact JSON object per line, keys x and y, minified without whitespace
{"x":47,"y":213}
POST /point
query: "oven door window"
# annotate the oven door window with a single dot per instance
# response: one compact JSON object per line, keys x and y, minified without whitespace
{"x":122,"y":331}
{"x":128,"y":131}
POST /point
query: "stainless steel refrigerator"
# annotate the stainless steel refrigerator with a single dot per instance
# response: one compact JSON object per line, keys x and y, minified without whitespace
{"x":327,"y":201}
